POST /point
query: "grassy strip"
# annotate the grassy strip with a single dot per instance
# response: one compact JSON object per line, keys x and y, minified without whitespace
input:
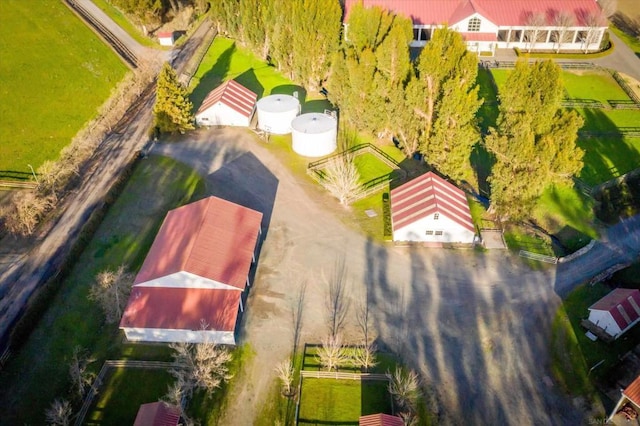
{"x":598,"y":85}
{"x":608,"y":157}
{"x":123,"y":22}
{"x":42,"y":52}
{"x":550,"y":55}
{"x":629,"y":40}
{"x":125,"y":235}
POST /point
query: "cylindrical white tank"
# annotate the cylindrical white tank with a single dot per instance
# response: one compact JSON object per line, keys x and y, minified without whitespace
{"x":275,"y":113}
{"x":314,"y":134}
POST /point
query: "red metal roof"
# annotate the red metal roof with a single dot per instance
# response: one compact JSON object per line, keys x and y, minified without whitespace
{"x":212,"y":238}
{"x":157,"y":414}
{"x":232,"y":94}
{"x":380,"y":420}
{"x":181,"y":308}
{"x":426,"y":195}
{"x":632,"y":392}
{"x":166,"y":34}
{"x":500,"y":12}
{"x":479,"y":36}
{"x":623,"y":304}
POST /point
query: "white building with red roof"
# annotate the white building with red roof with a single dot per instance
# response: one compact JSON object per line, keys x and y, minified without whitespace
{"x":617,"y":312}
{"x":380,"y":420}
{"x":564,"y":25}
{"x":230,"y":104}
{"x":166,"y":38}
{"x":430,"y":209}
{"x":190,"y":286}
{"x":157,"y":414}
{"x":628,"y":407}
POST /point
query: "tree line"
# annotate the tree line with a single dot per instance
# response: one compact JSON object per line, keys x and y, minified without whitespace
{"x":428,"y":104}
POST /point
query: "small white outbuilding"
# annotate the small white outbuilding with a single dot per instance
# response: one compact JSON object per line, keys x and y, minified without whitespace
{"x":230,"y":104}
{"x":314,"y":134}
{"x":276,"y":112}
{"x":617,"y":312}
{"x":166,"y":38}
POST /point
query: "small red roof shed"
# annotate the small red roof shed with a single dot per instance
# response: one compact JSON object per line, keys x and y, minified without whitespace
{"x":229,"y":104}
{"x":380,"y":420}
{"x":157,"y":414}
{"x":631,"y":394}
{"x":617,"y":312}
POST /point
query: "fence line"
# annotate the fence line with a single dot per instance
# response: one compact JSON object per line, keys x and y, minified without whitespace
{"x":623,"y":84}
{"x":194,"y":63}
{"x":538,"y":256}
{"x":342,"y":376}
{"x":16,"y":184}
{"x":93,"y":390}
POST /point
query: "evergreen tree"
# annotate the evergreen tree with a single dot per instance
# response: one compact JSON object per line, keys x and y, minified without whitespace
{"x":447,"y":74}
{"x":534,"y":144}
{"x":172,"y":110}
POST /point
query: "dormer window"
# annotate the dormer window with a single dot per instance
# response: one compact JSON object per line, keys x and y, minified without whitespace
{"x":474,"y":25}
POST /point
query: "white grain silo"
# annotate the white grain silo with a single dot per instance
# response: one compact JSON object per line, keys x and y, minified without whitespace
{"x":275,"y":113}
{"x":314,"y":134}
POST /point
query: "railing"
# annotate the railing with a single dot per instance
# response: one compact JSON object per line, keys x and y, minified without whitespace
{"x":194,"y":63}
{"x":620,"y":131}
{"x":623,"y":84}
{"x":95,"y":387}
{"x":17,"y":184}
{"x":582,"y":103}
{"x":618,"y":104}
{"x":538,"y":257}
{"x":342,"y":376}
{"x":121,"y":49}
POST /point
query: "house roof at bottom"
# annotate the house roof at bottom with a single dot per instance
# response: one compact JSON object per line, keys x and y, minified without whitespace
{"x":177,"y":308}
{"x":232,"y":94}
{"x":633,"y":391}
{"x":380,"y":420}
{"x":157,"y":414}
{"x":623,"y":304}
{"x":426,"y":195}
{"x":212,"y":238}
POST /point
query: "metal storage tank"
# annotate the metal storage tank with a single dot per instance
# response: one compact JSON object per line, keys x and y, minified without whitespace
{"x":314,"y":134}
{"x":275,"y":113}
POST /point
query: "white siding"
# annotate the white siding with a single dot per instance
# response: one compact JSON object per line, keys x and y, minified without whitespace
{"x":452,"y":232}
{"x":221,"y":115}
{"x":187,"y":336}
{"x":605,"y":321}
{"x":486,"y":26}
{"x":184,"y":279}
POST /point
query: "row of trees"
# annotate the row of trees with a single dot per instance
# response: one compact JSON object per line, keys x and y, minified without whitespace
{"x":153,"y":12}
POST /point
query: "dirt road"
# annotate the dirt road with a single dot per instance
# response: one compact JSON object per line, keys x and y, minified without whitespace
{"x":476,"y":325}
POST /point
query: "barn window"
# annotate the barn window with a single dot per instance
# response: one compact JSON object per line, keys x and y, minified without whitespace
{"x":474,"y":25}
{"x":429,"y":232}
{"x":438,"y":232}
{"x":436,"y":216}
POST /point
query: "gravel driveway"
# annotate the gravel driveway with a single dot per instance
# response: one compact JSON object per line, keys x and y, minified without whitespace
{"x":477,"y":325}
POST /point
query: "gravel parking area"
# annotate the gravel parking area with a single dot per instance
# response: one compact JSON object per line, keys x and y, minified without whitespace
{"x":476,"y":324}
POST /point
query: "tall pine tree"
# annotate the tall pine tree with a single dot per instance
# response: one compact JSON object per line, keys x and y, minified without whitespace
{"x":534,"y":144}
{"x":172,"y":110}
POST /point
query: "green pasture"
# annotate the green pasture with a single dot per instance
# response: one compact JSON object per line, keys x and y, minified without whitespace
{"x":370,"y":167}
{"x":124,"y":237}
{"x":329,"y":401}
{"x":597,"y":85}
{"x":225,"y":60}
{"x":629,"y":40}
{"x":54,"y":73}
{"x":122,"y":393}
{"x":607,"y":157}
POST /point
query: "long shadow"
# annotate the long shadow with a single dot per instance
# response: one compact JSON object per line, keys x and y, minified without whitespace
{"x":213,"y":78}
{"x":290,"y":89}
{"x":249,"y":80}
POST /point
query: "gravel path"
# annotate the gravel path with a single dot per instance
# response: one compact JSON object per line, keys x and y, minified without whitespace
{"x":477,"y":325}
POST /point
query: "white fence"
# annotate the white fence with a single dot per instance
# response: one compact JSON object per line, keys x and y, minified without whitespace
{"x":538,"y":257}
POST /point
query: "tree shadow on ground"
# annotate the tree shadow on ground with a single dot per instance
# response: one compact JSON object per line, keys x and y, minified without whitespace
{"x":249,"y":80}
{"x":212,"y":78}
{"x":291,"y":89}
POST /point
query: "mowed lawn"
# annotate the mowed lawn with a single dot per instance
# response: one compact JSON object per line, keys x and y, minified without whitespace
{"x":329,"y":401}
{"x":38,"y":371}
{"x":54,"y":73}
{"x":370,"y":167}
{"x":225,"y":61}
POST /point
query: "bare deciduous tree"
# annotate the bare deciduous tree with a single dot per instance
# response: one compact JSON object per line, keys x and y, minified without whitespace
{"x":609,"y":7}
{"x":111,"y":291}
{"x":532,"y":34}
{"x":594,"y":22}
{"x":25,"y":212}
{"x":562,"y":20}
{"x":200,"y":366}
{"x":332,"y":353}
{"x":404,"y":386}
{"x":342,"y":179}
{"x":285,"y":372}
{"x":81,"y":379}
{"x":337,"y":302}
{"x":59,"y":413}
{"x":364,"y":356}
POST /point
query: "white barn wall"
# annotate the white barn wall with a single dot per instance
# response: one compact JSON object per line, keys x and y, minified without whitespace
{"x":222,"y":115}
{"x":452,"y":231}
{"x":604,"y":320}
{"x":184,"y":279}
{"x":187,"y":336}
{"x":486,"y":26}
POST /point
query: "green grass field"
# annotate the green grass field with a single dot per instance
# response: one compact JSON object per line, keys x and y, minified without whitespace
{"x":370,"y":167}
{"x":54,"y":73}
{"x":124,"y":237}
{"x":329,"y":401}
{"x":629,"y":40}
{"x":122,"y":393}
{"x":598,"y":85}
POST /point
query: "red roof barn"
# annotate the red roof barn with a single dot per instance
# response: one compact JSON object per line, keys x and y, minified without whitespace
{"x":230,"y":104}
{"x":430,"y":209}
{"x":617,"y":312}
{"x":380,"y":420}
{"x":190,"y":285}
{"x":157,"y":414}
{"x":630,"y":399}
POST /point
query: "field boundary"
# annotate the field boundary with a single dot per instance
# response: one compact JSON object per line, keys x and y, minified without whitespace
{"x":538,"y":257}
